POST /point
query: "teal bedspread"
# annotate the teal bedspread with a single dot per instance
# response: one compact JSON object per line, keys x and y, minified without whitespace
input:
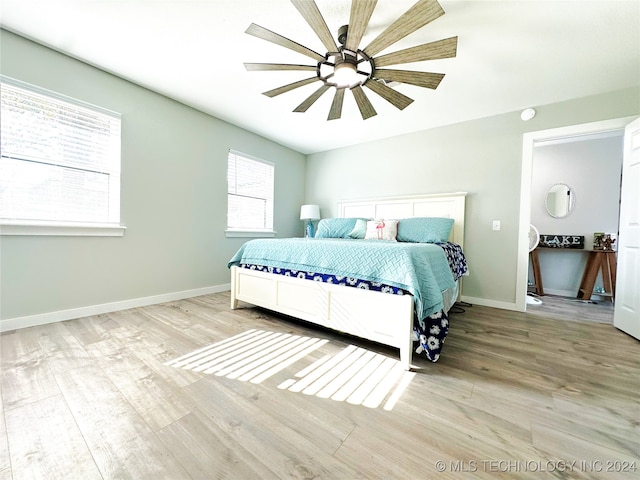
{"x":420,"y":268}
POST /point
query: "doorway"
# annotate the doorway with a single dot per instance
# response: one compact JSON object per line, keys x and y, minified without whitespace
{"x":529,"y":142}
{"x":575,"y":191}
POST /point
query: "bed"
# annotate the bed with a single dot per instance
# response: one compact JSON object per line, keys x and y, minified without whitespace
{"x":318,"y":292}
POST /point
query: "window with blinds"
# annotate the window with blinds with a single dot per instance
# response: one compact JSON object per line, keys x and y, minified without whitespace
{"x":249,"y":193}
{"x":60,"y":159}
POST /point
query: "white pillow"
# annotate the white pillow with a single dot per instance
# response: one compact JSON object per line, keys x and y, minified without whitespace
{"x":382,"y":230}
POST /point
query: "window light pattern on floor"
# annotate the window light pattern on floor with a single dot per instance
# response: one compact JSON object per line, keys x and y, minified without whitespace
{"x":238,"y":358}
{"x":355,"y":375}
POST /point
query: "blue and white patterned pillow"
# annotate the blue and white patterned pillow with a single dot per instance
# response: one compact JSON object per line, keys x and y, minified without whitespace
{"x":424,"y":229}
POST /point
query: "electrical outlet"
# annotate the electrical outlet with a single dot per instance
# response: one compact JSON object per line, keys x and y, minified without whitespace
{"x":496,"y":225}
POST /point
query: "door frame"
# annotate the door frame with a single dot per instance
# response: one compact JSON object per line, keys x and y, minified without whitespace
{"x":528,"y":141}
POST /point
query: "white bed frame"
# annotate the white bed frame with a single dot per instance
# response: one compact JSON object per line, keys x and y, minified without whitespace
{"x":376,"y":316}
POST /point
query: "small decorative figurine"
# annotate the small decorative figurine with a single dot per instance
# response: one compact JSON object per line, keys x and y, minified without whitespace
{"x":607,"y":242}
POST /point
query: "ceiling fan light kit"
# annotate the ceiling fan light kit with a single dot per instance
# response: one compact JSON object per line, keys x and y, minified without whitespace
{"x":347,"y":67}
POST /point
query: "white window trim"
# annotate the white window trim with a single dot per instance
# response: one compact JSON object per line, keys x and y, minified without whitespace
{"x":62,"y":229}
{"x":34,"y":227}
{"x":250,"y":233}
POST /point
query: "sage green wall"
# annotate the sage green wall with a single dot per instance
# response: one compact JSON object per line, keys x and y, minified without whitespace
{"x":482,"y":157}
{"x":173,"y":197}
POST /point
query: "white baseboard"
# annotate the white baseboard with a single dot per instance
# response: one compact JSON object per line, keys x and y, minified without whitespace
{"x":571,"y":295}
{"x":490,"y":303}
{"x":561,"y":293}
{"x":62,"y":315}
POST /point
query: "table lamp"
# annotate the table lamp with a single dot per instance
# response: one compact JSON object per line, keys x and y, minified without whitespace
{"x":309,"y":213}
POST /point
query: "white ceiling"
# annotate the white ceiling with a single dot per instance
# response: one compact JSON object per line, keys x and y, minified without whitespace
{"x":512,"y":54}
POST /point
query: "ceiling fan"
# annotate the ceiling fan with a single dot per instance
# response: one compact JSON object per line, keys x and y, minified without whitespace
{"x":348,"y":67}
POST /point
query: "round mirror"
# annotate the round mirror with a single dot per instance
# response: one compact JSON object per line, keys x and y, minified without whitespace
{"x":560,"y":200}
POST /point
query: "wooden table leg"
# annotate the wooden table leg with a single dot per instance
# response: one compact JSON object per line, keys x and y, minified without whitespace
{"x":609,"y":273}
{"x":589,"y":276}
{"x":606,"y":274}
{"x":537,"y":276}
{"x":604,"y":261}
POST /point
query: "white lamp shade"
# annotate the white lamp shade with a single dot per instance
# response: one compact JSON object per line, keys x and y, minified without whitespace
{"x":310,"y":212}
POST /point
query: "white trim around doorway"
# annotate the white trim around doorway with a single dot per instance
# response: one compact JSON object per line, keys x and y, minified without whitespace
{"x":528,"y":141}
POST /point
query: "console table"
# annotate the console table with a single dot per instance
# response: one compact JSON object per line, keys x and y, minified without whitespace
{"x":537,"y":276}
{"x":604,"y":260}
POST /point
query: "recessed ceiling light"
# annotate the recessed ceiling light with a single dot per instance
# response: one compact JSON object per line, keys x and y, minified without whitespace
{"x":527,"y":114}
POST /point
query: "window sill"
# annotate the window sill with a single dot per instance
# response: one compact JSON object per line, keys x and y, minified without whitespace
{"x":62,"y":229}
{"x":249,"y":234}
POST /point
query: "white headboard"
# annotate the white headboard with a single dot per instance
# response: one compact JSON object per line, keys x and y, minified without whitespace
{"x":449,"y":205}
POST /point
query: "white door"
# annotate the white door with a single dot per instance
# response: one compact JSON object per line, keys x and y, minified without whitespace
{"x":626,"y":315}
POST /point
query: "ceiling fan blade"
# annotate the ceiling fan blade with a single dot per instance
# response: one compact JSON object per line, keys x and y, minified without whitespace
{"x":309,"y":10}
{"x":336,"y":106}
{"x":397,"y":99}
{"x":263,"y":33}
{"x":366,"y":109}
{"x":418,"y":16}
{"x":304,"y":106}
{"x":291,"y":86}
{"x":361,"y":11}
{"x":257,"y":67}
{"x":446,"y":48}
{"x":421,"y":79}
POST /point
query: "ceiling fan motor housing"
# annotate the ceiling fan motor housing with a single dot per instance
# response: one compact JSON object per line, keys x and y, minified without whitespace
{"x":342,"y":34}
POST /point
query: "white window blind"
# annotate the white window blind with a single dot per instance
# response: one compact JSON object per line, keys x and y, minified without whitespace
{"x":60,"y":159}
{"x":249,"y":193}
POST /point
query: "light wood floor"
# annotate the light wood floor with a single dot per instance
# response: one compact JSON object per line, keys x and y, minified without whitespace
{"x":512,"y":395}
{"x":572,"y":309}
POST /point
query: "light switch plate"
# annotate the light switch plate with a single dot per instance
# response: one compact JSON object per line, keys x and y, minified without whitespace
{"x":496,"y":224}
